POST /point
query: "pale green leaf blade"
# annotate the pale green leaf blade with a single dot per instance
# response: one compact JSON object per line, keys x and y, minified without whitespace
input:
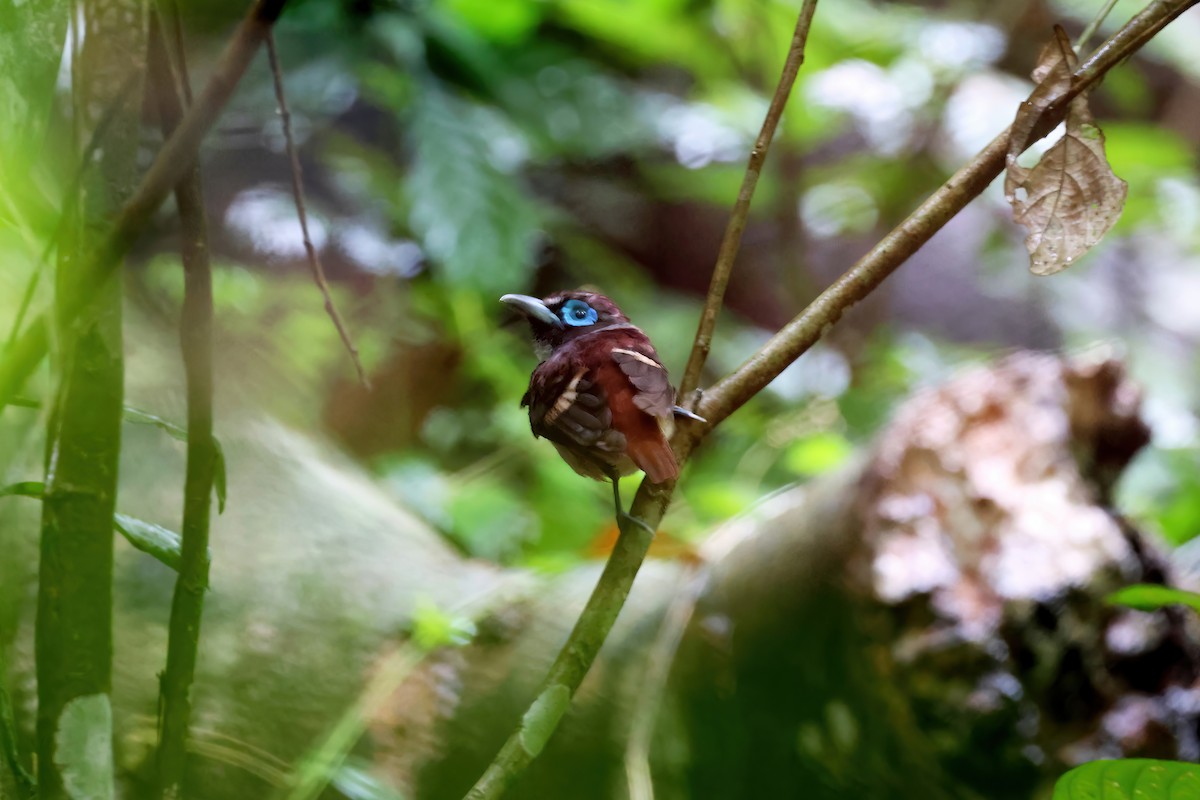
{"x":1130,"y":779}
{"x":83,"y":748}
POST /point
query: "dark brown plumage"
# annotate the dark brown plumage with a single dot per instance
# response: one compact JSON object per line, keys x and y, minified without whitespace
{"x":601,"y":394}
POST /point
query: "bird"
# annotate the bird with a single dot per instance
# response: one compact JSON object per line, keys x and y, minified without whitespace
{"x":600,"y":393}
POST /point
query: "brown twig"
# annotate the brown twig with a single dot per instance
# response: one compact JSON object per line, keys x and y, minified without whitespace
{"x":172,"y":161}
{"x":314,"y":262}
{"x":894,"y":249}
{"x":170,"y":88}
{"x":598,"y":616}
{"x":732,"y":240}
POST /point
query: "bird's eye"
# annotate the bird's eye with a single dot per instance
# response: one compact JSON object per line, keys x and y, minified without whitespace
{"x":578,"y":313}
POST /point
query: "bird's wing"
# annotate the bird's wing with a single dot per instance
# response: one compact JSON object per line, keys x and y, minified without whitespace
{"x":568,"y":407}
{"x":641,"y":366}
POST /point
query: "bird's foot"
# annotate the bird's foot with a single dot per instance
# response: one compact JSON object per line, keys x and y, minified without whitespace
{"x":624,"y":520}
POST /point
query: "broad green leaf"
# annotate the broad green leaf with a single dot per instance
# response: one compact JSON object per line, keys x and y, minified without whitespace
{"x":165,"y":545}
{"x":472,"y":217}
{"x":23,"y":489}
{"x":818,"y":453}
{"x":433,"y":628}
{"x":542,"y":717}
{"x":83,"y":748}
{"x":1150,"y":597}
{"x":139,"y":417}
{"x":355,"y":782}
{"x":156,"y":540}
{"x":1130,"y":779}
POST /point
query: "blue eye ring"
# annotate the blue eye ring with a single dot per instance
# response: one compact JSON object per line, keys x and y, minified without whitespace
{"x":578,"y":313}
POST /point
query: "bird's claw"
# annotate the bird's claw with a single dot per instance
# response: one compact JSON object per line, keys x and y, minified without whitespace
{"x":624,"y":519}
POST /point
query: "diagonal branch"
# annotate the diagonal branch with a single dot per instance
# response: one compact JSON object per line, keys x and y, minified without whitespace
{"x":576,"y":657}
{"x":732,"y":240}
{"x":652,"y":500}
{"x":172,"y":161}
{"x":732,"y":392}
{"x":314,"y":261}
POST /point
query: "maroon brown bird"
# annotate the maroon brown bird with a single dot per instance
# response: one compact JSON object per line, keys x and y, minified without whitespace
{"x":601,"y":394}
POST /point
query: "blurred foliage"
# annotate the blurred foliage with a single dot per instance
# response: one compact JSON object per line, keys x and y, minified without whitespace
{"x":1149,"y":597}
{"x":458,"y":149}
{"x":462,"y":149}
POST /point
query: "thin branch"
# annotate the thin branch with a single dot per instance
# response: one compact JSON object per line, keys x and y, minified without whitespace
{"x":596,"y":620}
{"x":600,"y":612}
{"x":314,"y":262}
{"x":170,"y":85}
{"x":638,"y":776}
{"x":1094,"y":25}
{"x":732,"y":241}
{"x":172,"y":161}
{"x":894,"y":249}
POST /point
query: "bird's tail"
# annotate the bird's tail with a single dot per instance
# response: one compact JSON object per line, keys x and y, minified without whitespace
{"x":654,"y":456}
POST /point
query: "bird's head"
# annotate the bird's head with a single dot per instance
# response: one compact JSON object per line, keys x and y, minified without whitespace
{"x":564,"y":316}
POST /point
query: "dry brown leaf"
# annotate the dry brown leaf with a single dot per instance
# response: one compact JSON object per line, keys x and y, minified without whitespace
{"x":1071,"y":198}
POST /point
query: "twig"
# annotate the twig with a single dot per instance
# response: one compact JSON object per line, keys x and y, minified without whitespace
{"x":602,"y":608}
{"x":894,"y":249}
{"x":638,"y":776}
{"x":314,"y":262}
{"x":1094,"y":25}
{"x":732,"y":240}
{"x":172,"y":161}
{"x":596,"y":620}
{"x":170,"y":82}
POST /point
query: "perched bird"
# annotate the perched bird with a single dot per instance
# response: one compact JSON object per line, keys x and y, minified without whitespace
{"x":600,"y":394}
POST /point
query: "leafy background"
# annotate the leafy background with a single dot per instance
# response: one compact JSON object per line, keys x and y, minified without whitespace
{"x":460,"y":149}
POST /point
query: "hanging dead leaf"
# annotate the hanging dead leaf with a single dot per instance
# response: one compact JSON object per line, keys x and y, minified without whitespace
{"x":1052,"y":75}
{"x":1071,"y":198}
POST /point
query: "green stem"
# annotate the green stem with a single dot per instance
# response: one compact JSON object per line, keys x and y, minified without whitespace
{"x":596,"y":620}
{"x":196,"y":344}
{"x":73,"y":636}
{"x":732,"y":240}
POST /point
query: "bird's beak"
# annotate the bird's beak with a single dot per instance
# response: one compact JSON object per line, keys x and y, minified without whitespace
{"x":533,"y":308}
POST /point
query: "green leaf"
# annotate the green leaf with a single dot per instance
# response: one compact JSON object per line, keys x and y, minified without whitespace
{"x":356,"y":783}
{"x":472,"y":218}
{"x":1130,"y":779}
{"x":139,"y":417}
{"x":24,"y":489}
{"x":433,"y":628}
{"x":816,"y":454}
{"x":1151,"y":597}
{"x":165,"y":545}
{"x":542,"y":717}
{"x":83,"y":748}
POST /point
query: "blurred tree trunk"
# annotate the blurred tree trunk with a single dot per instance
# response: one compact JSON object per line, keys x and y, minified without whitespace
{"x":74,"y":619}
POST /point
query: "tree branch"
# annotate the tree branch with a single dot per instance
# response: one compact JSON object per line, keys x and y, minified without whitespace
{"x":598,"y":616}
{"x":172,"y":161}
{"x":170,"y":83}
{"x":600,"y":612}
{"x":314,"y":262}
{"x":732,"y":392}
{"x":732,"y":240}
